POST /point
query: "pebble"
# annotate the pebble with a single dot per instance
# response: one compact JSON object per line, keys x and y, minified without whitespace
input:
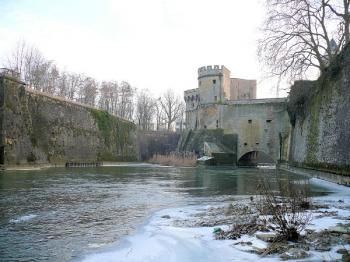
{"x":294,"y":253}
{"x":322,"y":247}
{"x":340,"y":229}
{"x":268,"y":237}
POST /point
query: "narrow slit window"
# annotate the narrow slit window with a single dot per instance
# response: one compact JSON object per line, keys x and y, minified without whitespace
{"x":249,"y":121}
{"x":268,"y":121}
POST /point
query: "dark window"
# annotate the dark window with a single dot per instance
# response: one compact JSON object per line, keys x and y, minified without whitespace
{"x":214,"y":81}
{"x":249,"y":121}
{"x":245,"y":144}
{"x":215,"y":98}
{"x":205,"y":127}
{"x":257,"y":144}
{"x":268,"y":121}
{"x":217,"y":123}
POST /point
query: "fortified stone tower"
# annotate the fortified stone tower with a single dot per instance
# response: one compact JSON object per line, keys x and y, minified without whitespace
{"x":215,"y":88}
{"x":213,"y":84}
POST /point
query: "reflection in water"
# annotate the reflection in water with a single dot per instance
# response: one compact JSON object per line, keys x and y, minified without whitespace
{"x":60,"y":214}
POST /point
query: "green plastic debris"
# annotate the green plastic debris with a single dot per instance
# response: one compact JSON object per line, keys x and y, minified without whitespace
{"x":217,"y":230}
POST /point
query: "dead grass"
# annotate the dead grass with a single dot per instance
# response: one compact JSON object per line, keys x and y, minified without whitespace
{"x":287,"y":208}
{"x":187,"y":159}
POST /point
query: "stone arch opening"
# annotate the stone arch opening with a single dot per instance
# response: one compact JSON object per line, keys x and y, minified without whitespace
{"x":254,"y":158}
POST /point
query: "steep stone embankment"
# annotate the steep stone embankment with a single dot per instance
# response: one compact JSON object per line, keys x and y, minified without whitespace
{"x":320,"y":117}
{"x":39,"y":128}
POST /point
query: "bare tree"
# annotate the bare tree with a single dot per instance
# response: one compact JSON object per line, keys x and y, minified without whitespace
{"x":341,"y":10}
{"x":63,"y":85}
{"x":160,"y":116}
{"x":16,"y":60}
{"x":51,"y":78}
{"x":43,"y":75}
{"x":28,"y":62}
{"x":109,"y":96}
{"x":299,"y":35}
{"x":171,"y":106}
{"x":38,"y":72}
{"x":125,"y":105}
{"x":145,"y":108}
{"x":74,"y":82}
{"x":88,"y":91}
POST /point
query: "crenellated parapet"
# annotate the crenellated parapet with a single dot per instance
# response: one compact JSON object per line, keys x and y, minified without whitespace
{"x":191,"y":95}
{"x":210,"y":70}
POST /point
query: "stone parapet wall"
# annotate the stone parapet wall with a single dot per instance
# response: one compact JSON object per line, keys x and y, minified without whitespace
{"x":215,"y":70}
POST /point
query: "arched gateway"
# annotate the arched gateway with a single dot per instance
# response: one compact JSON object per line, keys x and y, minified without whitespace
{"x":254,"y":158}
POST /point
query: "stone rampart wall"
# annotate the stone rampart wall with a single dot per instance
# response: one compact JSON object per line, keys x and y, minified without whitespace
{"x":320,"y":116}
{"x":39,"y":129}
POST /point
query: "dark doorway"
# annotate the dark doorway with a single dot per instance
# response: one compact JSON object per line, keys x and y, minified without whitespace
{"x":255,"y":158}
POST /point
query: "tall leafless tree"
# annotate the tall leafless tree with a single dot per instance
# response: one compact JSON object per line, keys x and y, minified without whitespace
{"x":109,"y":96}
{"x":16,"y":60}
{"x":125,"y":105}
{"x":145,"y":109}
{"x":43,"y":75}
{"x":159,"y":115}
{"x":341,"y":9}
{"x":299,"y":35}
{"x":74,"y":82}
{"x":171,"y":106}
{"x":88,"y":91}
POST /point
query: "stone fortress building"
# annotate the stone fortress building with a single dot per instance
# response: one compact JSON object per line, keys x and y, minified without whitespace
{"x":230,"y":104}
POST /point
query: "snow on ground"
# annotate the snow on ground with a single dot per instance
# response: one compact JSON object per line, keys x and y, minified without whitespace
{"x":158,"y":240}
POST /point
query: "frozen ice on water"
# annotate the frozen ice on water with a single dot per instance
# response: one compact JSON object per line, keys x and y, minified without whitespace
{"x":160,"y":240}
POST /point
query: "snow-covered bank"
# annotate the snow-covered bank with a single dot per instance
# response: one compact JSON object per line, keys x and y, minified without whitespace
{"x":176,"y":235}
{"x":159,"y":241}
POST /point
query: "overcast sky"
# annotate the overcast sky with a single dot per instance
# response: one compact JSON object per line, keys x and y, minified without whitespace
{"x":153,"y":44}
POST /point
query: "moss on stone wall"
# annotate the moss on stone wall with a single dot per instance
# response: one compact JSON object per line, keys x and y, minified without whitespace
{"x":326,"y":108}
{"x":43,"y":129}
{"x":343,"y":170}
{"x":312,"y":147}
{"x":104,"y":122}
{"x":115,"y":133}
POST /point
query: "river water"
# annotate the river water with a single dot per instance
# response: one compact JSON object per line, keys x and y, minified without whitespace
{"x":63,"y":214}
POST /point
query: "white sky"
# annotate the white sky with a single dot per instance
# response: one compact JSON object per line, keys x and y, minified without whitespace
{"x":153,"y":44}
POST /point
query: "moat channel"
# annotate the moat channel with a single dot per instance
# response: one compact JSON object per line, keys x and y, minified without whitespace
{"x":63,"y":214}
